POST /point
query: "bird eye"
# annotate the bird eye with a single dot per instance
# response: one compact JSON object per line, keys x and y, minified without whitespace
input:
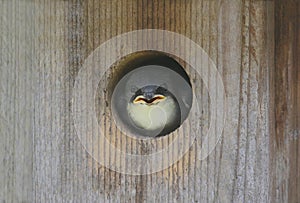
{"x":164,"y":85}
{"x":134,"y":89}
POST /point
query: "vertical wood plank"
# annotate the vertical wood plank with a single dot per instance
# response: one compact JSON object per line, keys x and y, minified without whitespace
{"x":285,"y":92}
{"x":17,"y":64}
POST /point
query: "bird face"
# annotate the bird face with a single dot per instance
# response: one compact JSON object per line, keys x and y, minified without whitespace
{"x":152,"y":108}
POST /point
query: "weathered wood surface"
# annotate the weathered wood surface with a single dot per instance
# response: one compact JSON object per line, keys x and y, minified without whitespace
{"x":285,"y":100}
{"x":255,"y":45}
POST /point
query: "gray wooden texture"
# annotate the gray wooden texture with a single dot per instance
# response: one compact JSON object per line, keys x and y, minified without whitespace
{"x":43,"y":44}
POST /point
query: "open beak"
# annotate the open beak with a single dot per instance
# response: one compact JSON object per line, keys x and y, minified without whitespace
{"x":142,"y":100}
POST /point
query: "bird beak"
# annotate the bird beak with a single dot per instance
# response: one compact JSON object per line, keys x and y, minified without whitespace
{"x":142,"y":100}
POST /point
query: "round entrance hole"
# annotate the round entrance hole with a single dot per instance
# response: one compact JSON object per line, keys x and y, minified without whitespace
{"x":150,"y":94}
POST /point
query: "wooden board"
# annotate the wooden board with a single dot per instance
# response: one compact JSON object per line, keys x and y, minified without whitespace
{"x":255,"y":46}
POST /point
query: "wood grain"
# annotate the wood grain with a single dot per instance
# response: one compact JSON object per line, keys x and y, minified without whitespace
{"x":255,"y":46}
{"x":285,"y":101}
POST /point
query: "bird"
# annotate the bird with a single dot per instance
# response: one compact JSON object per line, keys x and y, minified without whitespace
{"x":154,"y":109}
